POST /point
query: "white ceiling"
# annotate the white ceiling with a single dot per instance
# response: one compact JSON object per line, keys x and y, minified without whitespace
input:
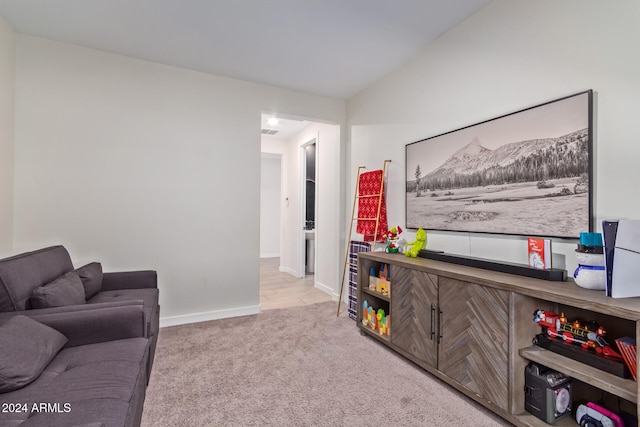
{"x":327,"y":47}
{"x":284,"y":128}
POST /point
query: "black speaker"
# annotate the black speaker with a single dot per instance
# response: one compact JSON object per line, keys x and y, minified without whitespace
{"x":554,"y":274}
{"x":547,"y":393}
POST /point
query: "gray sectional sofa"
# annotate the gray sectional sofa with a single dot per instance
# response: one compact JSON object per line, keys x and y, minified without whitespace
{"x":77,"y":342}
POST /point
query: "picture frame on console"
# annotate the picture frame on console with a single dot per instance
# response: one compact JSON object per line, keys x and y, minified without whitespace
{"x":527,"y":173}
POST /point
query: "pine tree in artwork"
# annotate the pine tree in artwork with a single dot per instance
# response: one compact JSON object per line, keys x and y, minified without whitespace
{"x":418,"y":173}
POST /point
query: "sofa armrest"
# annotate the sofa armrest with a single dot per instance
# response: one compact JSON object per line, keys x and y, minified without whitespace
{"x":129,"y":280}
{"x":97,"y":325}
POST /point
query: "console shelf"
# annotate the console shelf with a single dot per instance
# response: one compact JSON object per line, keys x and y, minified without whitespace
{"x":376,"y":294}
{"x":373,"y":333}
{"x":626,"y":389}
{"x":473,"y":329}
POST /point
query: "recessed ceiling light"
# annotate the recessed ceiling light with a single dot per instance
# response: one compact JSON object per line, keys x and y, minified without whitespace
{"x":273,"y":121}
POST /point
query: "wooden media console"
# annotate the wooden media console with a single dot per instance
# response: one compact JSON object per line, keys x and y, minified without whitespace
{"x":473,"y":328}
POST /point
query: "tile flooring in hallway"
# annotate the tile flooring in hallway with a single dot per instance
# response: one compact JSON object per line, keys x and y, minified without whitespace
{"x":281,"y":290}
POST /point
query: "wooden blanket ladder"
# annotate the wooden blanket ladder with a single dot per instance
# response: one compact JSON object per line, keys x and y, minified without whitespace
{"x":355,"y":218}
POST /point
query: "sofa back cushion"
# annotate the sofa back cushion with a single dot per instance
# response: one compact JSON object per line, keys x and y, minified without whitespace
{"x":91,"y":275}
{"x":21,"y":274}
{"x":65,"y":290}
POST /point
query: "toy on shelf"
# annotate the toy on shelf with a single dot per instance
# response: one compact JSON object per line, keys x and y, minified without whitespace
{"x":589,"y":335}
{"x":373,"y":279}
{"x":365,"y":313}
{"x":369,"y":317}
{"x":413,"y":248}
{"x":373,"y":319}
{"x":384,"y":271}
{"x":383,"y":322}
{"x":391,"y":239}
{"x":378,"y":320}
{"x":384,"y":280}
{"x":380,"y":283}
{"x":383,"y":288}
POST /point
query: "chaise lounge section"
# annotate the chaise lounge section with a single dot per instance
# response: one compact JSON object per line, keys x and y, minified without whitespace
{"x":82,"y":368}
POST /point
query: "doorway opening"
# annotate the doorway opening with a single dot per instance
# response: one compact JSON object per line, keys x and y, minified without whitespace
{"x":290,"y":152}
{"x":309,"y":203}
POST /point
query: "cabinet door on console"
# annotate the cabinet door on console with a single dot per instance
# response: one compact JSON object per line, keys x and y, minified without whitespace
{"x":475,"y":339}
{"x":414,"y":301}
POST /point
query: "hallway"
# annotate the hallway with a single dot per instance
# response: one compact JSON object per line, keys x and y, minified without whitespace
{"x":281,"y":290}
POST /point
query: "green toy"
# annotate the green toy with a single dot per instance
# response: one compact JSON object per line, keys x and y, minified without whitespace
{"x":413,"y":248}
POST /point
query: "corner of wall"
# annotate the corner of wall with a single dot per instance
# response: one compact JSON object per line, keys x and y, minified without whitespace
{"x":7,"y":105}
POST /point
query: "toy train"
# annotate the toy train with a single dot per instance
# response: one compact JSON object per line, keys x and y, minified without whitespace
{"x":587,"y":335}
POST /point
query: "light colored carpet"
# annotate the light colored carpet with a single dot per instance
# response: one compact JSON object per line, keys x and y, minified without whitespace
{"x":299,"y":366}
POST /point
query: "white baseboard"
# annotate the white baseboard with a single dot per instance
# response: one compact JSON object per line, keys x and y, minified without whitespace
{"x":327,"y":290}
{"x":209,"y":315}
{"x":270,"y":255}
{"x":288,"y":270}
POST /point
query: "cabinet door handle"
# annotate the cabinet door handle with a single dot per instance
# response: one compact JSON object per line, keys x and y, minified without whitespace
{"x":439,"y":326}
{"x":433,"y":319}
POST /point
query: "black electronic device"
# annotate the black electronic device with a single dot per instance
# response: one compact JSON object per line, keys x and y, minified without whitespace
{"x":547,"y":393}
{"x":553,"y":274}
{"x":609,"y":233}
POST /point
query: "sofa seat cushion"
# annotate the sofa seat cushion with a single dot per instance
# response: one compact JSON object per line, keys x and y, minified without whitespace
{"x":95,"y":383}
{"x":27,"y":349}
{"x":148,"y":295}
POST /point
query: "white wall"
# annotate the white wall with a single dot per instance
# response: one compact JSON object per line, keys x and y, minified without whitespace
{"x":282,"y":148}
{"x":509,"y":56}
{"x":141,"y":165}
{"x":7,"y":91}
{"x":270,"y":188}
{"x":328,"y":251}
